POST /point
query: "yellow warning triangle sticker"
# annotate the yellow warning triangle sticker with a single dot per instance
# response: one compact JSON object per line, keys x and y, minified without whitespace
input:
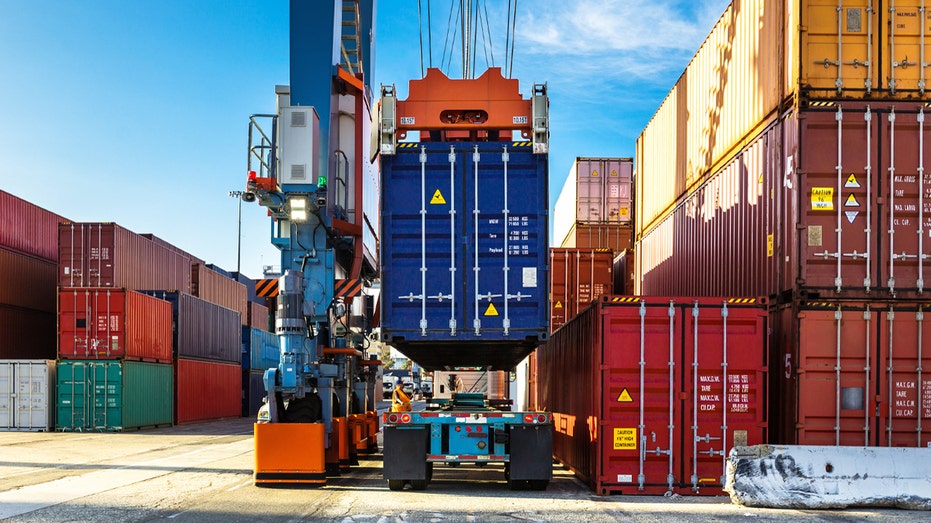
{"x":613,"y":173}
{"x":491,"y":310}
{"x":852,"y":181}
{"x":595,"y":173}
{"x":851,"y":202}
{"x":624,"y":396}
{"x":438,"y":198}
{"x":558,"y":305}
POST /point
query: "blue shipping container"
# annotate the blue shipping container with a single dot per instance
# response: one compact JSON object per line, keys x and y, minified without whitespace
{"x":260,"y":349}
{"x":464,"y":264}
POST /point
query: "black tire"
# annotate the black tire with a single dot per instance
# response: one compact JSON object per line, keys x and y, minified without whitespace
{"x":538,"y":484}
{"x":481,"y":464}
{"x":453,"y":464}
{"x":419,"y":484}
{"x":429,"y":471}
{"x":395,"y":484}
{"x":304,"y":410}
{"x":517,"y":484}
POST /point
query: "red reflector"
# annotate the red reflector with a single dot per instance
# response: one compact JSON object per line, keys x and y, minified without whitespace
{"x":478,"y":429}
{"x":458,"y":428}
{"x":468,"y":428}
{"x":541,"y":418}
{"x":392,"y":418}
{"x":405,"y":418}
{"x":528,"y":418}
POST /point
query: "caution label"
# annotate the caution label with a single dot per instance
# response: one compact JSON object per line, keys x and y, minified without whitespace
{"x":491,"y":310}
{"x":595,"y":173}
{"x":624,"y":396}
{"x":851,"y":202}
{"x":822,"y":198}
{"x":613,"y":172}
{"x":438,"y":198}
{"x":625,"y":439}
{"x":558,"y":305}
{"x":769,"y":246}
{"x":852,"y":182}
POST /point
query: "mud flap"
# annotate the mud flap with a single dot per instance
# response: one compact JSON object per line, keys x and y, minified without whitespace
{"x":531,"y":450}
{"x":405,"y":453}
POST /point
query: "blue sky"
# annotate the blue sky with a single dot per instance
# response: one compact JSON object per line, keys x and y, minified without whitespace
{"x":136,"y":112}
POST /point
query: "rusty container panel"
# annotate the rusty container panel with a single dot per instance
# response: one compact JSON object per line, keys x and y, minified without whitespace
{"x":599,"y":236}
{"x":107,"y":255}
{"x":624,"y":274}
{"x":210,"y":285}
{"x":112,"y":324}
{"x":26,"y":334}
{"x":203,"y":330}
{"x":577,"y":277}
{"x":28,"y":228}
{"x":27,"y":281}
{"x":259,"y":317}
{"x":207,"y":390}
{"x":686,"y":376}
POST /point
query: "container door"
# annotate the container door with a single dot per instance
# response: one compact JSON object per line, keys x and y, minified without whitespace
{"x":107,"y":385}
{"x":7,"y":399}
{"x":838,"y":46}
{"x":837,"y":367}
{"x":838,"y":196}
{"x":561,"y":261}
{"x":590,"y":194}
{"x":618,"y":182}
{"x":32,"y":396}
{"x":74,"y":402}
{"x":904,"y":231}
{"x":725,"y":388}
{"x":904,"y":382}
{"x":91,"y":324}
{"x":905,"y":52}
{"x":640,"y":421}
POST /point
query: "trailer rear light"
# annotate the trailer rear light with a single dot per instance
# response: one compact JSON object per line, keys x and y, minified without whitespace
{"x":405,"y":418}
{"x":392,"y":418}
{"x":541,"y":418}
{"x":528,"y":418}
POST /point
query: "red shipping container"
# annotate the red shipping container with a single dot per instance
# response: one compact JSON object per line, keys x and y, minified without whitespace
{"x":853,"y":373}
{"x":207,"y":390}
{"x":171,"y":247}
{"x":599,"y":236}
{"x":826,"y":203}
{"x":27,"y":281}
{"x":111,"y":324}
{"x":649,"y":395}
{"x":214,"y":287}
{"x":107,"y":255}
{"x":624,"y":273}
{"x":28,"y":228}
{"x":258,"y":316}
{"x":577,"y":277}
{"x":26,"y":334}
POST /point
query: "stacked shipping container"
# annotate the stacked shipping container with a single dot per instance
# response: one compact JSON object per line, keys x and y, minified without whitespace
{"x":577,"y":277}
{"x":593,"y":210}
{"x":802,"y":180}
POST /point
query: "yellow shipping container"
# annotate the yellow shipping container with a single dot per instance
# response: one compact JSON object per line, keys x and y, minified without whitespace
{"x":760,"y":55}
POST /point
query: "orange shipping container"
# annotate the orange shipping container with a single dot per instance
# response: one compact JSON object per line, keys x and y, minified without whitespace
{"x":758,"y":59}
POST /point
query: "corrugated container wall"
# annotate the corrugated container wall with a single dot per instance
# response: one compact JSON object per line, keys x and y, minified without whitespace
{"x":260,"y":349}
{"x":670,"y":386}
{"x":207,"y":390}
{"x":464,"y":263}
{"x":259,"y":317}
{"x":599,"y":236}
{"x":203,"y":330}
{"x":27,"y":334}
{"x":781,"y":220}
{"x":27,"y":281}
{"x":597,"y":190}
{"x":624,"y":273}
{"x":107,"y":255}
{"x":208,"y":284}
{"x":28,"y":228}
{"x":853,"y":373}
{"x":113,"y":395}
{"x":109,"y":324}
{"x":27,"y":395}
{"x":760,"y":55}
{"x":577,"y":277}
{"x":253,"y":392}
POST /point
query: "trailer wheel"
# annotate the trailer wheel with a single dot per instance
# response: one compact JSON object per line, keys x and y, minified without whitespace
{"x":419,"y":484}
{"x":538,"y":484}
{"x":395,"y":484}
{"x":516,"y":484}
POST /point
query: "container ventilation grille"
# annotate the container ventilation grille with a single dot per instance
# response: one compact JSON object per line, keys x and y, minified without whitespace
{"x":298,"y":118}
{"x":298,"y":171}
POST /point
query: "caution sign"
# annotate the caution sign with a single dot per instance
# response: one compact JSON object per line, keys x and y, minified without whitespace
{"x":851,"y":202}
{"x":851,"y":215}
{"x":613,"y":172}
{"x":438,"y":198}
{"x":595,"y":173}
{"x":769,"y":246}
{"x":852,"y":182}
{"x":491,"y":310}
{"x":624,"y":396}
{"x":822,"y":198}
{"x":624,"y":212}
{"x":558,"y":305}
{"x":625,"y":439}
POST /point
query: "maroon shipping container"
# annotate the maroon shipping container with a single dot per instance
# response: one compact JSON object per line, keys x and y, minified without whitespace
{"x":111,"y":324}
{"x":214,"y":287}
{"x":107,"y":255}
{"x":26,"y":334}
{"x":599,"y":236}
{"x":28,"y":228}
{"x":852,"y":373}
{"x":648,"y":395}
{"x":27,"y":281}
{"x":203,"y":330}
{"x":206,"y":390}
{"x":826,"y":203}
{"x":259,"y":317}
{"x":171,"y":247}
{"x":577,"y":277}
{"x":624,"y":272}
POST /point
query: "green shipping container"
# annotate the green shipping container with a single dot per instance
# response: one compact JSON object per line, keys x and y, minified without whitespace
{"x":113,"y":395}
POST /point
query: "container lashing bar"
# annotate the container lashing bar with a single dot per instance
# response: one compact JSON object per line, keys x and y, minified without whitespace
{"x":641,"y":477}
{"x":921,"y":48}
{"x":838,"y":316}
{"x":506,"y":213}
{"x":695,"y":389}
{"x":452,"y":240}
{"x":671,"y":427}
{"x":724,"y":314}
{"x":890,"y":369}
{"x":919,"y":319}
{"x":868,"y":118}
{"x":921,"y":193}
{"x":867,"y":368}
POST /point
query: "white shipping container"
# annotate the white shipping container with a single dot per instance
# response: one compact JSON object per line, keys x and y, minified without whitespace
{"x":27,"y":392}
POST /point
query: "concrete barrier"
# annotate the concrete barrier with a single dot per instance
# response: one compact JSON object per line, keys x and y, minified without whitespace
{"x":786,"y":476}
